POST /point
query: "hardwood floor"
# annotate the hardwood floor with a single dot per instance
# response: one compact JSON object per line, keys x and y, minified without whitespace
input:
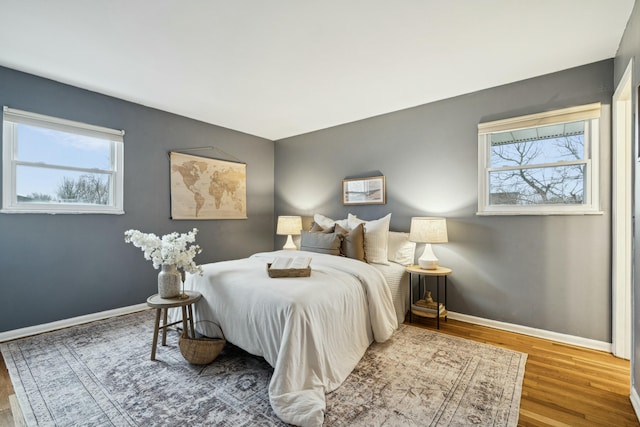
{"x":563,"y":385}
{"x":6,"y":390}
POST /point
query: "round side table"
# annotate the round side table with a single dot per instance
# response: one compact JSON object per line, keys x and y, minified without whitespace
{"x":185,"y":302}
{"x":423,"y":274}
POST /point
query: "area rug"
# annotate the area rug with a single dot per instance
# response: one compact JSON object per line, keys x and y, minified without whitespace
{"x":100,"y":374}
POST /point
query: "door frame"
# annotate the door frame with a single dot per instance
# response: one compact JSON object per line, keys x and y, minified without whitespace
{"x":622,"y":216}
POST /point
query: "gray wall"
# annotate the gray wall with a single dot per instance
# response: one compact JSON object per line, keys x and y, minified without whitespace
{"x":546,"y":272}
{"x":61,"y":266}
{"x":630,"y":49}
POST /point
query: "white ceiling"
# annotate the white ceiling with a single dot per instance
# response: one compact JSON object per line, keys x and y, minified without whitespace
{"x":286,"y":67}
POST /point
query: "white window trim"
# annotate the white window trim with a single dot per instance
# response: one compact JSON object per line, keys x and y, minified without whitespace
{"x":9,"y":163}
{"x":589,"y":113}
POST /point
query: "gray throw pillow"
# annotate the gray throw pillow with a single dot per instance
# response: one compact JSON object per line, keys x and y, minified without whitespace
{"x":320,"y":242}
{"x":352,"y":242}
{"x":315,"y":228}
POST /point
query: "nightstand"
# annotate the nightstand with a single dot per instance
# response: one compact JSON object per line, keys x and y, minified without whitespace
{"x":185,"y":303}
{"x":422,"y":277}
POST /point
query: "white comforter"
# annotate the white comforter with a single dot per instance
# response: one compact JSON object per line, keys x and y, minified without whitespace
{"x":312,"y":330}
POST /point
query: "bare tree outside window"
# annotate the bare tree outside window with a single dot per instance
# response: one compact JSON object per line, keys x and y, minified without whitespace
{"x":87,"y":188}
{"x":544,"y":165}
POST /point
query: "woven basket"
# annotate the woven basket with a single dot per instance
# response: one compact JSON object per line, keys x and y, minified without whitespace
{"x":200,"y":351}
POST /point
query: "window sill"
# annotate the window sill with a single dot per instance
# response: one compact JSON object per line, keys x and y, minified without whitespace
{"x":61,"y":212}
{"x":540,"y":213}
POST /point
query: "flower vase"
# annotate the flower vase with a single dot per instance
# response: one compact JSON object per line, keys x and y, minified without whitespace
{"x":169,"y":281}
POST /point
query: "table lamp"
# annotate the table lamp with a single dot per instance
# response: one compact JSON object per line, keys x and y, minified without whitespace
{"x":428,"y":230}
{"x":288,"y":226}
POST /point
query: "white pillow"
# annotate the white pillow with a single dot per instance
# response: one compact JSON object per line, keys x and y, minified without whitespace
{"x":376,"y":236}
{"x":326,"y":222}
{"x":400,"y":250}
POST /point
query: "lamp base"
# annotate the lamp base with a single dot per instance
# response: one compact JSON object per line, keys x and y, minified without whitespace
{"x":428,"y":264}
{"x":289,"y":245}
{"x":428,"y":260}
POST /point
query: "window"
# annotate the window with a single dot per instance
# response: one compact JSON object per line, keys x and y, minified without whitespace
{"x":543,"y":163}
{"x":58,"y":166}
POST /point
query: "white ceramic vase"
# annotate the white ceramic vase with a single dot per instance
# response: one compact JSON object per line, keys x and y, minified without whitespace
{"x":169,"y":281}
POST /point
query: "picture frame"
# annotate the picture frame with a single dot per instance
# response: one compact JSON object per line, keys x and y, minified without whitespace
{"x":364,"y":191}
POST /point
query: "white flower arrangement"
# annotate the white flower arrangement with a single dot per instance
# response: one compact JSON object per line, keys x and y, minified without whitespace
{"x":172,"y":248}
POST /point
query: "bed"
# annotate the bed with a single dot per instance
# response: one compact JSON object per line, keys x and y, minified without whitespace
{"x":312,"y":330}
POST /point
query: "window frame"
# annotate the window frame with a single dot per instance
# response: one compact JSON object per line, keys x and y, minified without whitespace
{"x":590,"y":114}
{"x":10,"y":204}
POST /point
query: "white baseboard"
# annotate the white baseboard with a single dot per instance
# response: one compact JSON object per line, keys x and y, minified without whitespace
{"x":538,"y":333}
{"x":65,"y":323}
{"x":635,"y":401}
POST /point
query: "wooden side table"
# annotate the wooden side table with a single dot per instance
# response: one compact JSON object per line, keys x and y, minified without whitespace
{"x":185,"y":303}
{"x":423,"y":274}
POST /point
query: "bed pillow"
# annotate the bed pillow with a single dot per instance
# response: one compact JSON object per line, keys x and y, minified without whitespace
{"x":315,"y":228}
{"x":352,"y":242}
{"x":376,"y":235}
{"x":326,"y":222}
{"x":321,"y":242}
{"x":400,"y":250}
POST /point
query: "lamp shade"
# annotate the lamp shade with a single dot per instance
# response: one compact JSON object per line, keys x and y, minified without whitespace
{"x":428,"y":230}
{"x":289,"y":225}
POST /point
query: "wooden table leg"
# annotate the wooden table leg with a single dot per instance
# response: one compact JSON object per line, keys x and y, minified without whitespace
{"x":185,"y":326}
{"x":164,"y":328}
{"x":155,"y":334}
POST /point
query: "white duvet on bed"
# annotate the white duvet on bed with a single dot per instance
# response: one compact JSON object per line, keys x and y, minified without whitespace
{"x":312,"y":330}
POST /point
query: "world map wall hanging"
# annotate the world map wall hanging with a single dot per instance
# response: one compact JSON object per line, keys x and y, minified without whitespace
{"x":206,"y":188}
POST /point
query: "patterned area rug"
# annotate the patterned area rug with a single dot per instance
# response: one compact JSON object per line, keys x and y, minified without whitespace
{"x":100,"y":374}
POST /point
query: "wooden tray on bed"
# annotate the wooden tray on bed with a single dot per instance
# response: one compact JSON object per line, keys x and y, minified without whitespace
{"x":288,"y":272}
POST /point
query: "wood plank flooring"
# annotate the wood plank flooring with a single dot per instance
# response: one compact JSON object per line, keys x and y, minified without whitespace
{"x":563,"y":385}
{"x":6,"y":390}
